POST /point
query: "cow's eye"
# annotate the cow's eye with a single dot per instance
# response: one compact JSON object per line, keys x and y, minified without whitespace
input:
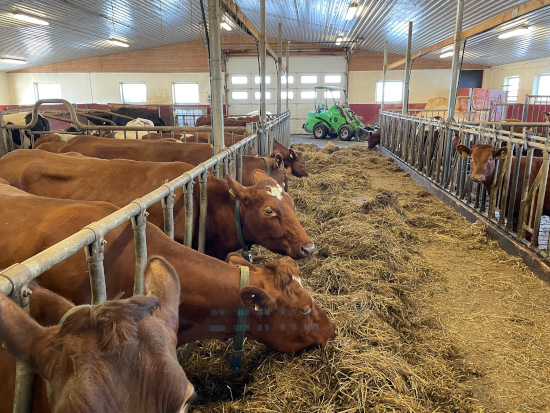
{"x":269,"y":211}
{"x":306,"y":311}
{"x":491,"y":160}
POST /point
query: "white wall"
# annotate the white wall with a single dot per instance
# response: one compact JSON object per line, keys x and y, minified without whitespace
{"x":494,"y":78}
{"x":100,"y":87}
{"x":4,"y":89}
{"x":424,"y":84}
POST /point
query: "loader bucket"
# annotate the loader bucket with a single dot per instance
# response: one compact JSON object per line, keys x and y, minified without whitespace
{"x":362,"y":134}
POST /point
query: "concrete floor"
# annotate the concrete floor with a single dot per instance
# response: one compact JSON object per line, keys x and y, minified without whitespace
{"x":303,"y":138}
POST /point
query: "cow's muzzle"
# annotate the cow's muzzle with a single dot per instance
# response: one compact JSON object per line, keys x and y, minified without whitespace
{"x":308,"y":250}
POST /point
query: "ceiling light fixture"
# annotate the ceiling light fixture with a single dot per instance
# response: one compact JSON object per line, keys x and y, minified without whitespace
{"x":29,"y":18}
{"x":118,"y":42}
{"x":12,"y":60}
{"x":447,"y":54}
{"x":225,"y":26}
{"x":352,"y":10}
{"x":339,"y":41}
{"x":448,"y":48}
{"x":520,"y":31}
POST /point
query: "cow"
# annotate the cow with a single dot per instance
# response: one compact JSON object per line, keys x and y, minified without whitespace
{"x":24,"y":118}
{"x":266,"y":211}
{"x":283,"y":315}
{"x":117,"y":356}
{"x":292,"y":159}
{"x":373,"y":139}
{"x":482,"y":170}
{"x":126,"y":114}
{"x":206,"y":120}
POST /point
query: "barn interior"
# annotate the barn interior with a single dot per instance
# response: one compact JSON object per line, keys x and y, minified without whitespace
{"x":437,"y":281}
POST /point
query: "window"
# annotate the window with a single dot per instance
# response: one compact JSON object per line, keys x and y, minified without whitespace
{"x":332,"y":93}
{"x":290,"y":95}
{"x":267,"y":79}
{"x":186,"y":93}
{"x":511,"y":85}
{"x":257,"y":95}
{"x":133,"y":92}
{"x":239,"y":95}
{"x":393,"y":91}
{"x":47,"y":91}
{"x":290,"y":79}
{"x":239,"y":80}
{"x":542,"y":84}
{"x":309,"y":79}
{"x":307,"y":94}
{"x":333,"y":78}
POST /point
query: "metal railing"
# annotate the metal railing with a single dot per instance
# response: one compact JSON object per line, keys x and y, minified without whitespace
{"x":426,"y":145}
{"x":14,"y":279}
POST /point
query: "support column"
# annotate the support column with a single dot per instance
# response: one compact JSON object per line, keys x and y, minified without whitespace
{"x":405,"y":108}
{"x":216,"y":89}
{"x":456,"y":56}
{"x":279,"y":67}
{"x":287,"y":70}
{"x":262,"y":66}
{"x":385,"y":68}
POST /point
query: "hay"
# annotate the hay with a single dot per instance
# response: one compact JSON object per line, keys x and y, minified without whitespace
{"x":388,"y":356}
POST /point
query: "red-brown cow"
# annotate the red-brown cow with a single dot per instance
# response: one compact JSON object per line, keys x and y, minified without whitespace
{"x":292,"y":159}
{"x":373,"y":139}
{"x":266,"y":211}
{"x":210,"y":288}
{"x":482,"y":170}
{"x":206,"y":120}
{"x":116,"y":356}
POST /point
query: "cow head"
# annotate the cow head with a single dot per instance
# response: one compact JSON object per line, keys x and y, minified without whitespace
{"x":124,"y":345}
{"x":295,"y":161}
{"x":278,"y":171}
{"x":267,"y":216}
{"x":282,"y":314}
{"x":482,"y":160}
{"x":373,"y":139}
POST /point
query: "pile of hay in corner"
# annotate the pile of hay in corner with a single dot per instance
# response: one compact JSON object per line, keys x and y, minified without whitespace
{"x":387,"y":356}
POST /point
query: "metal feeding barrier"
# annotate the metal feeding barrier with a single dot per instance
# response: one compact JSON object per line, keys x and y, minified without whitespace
{"x":426,"y":146}
{"x":14,"y":280}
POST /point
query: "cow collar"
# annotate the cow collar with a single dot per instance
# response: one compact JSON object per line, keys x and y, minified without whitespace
{"x":246,"y":247}
{"x":268,"y":167}
{"x":241,"y":327}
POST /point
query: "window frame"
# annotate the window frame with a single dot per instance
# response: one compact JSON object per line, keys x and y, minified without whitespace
{"x":333,"y":75}
{"x":506,"y":88}
{"x":307,"y":91}
{"x":37,"y":90}
{"x":239,"y":76}
{"x":257,"y":80}
{"x":536,"y":85}
{"x":378,"y":99}
{"x":308,"y":83}
{"x":239,"y":91}
{"x":123,"y":101}
{"x":174,"y":85}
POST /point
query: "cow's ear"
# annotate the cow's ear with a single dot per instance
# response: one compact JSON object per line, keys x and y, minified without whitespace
{"x":500,"y":153}
{"x":256,"y":300}
{"x":234,"y":258}
{"x":19,"y":333}
{"x":278,"y":160}
{"x":258,"y":176}
{"x":46,"y":307}
{"x":463,"y":150}
{"x":162,"y":280}
{"x":236,"y":189}
{"x":253,"y":152}
{"x":292,"y":154}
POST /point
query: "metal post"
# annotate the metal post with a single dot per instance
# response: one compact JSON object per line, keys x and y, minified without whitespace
{"x":384,"y":73}
{"x":262,"y":65}
{"x":279,"y":67}
{"x":203,"y":182}
{"x":24,"y":374}
{"x":94,"y":256}
{"x":240,"y":165}
{"x":287,"y":71}
{"x":188,"y":232}
{"x":456,"y":64}
{"x":225,"y":58}
{"x":168,"y":214}
{"x":405,"y":108}
{"x":216,"y":104}
{"x":140,"y":241}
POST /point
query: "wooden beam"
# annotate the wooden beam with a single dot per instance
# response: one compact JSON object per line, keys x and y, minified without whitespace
{"x":239,"y":16}
{"x":495,"y":21}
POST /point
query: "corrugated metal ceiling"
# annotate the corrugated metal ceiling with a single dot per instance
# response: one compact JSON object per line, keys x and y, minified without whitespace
{"x":80,"y":29}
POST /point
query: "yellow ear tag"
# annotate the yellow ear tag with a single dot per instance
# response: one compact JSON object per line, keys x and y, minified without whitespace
{"x":292,"y":155}
{"x":464,"y":154}
{"x":150,"y":292}
{"x":256,"y":307}
{"x":231,"y":192}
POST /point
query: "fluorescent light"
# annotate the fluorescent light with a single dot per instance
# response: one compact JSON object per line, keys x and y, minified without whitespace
{"x":14,"y":61}
{"x":352,"y":10}
{"x":447,"y":54}
{"x":520,"y":31}
{"x":117,"y":42}
{"x":29,"y":19}
{"x":226,"y":26}
{"x":448,"y":48}
{"x":339,"y":41}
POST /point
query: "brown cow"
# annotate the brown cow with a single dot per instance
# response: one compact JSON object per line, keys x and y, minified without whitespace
{"x":206,"y":120}
{"x":266,"y":211}
{"x":292,"y":159}
{"x":210,"y":290}
{"x":482,"y":170}
{"x":116,"y":356}
{"x":374,"y":139}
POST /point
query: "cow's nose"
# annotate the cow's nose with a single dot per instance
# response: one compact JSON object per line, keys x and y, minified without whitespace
{"x":308,"y":250}
{"x":478,"y":178}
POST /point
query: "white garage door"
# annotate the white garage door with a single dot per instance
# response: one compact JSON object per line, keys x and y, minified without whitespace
{"x":305,"y":73}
